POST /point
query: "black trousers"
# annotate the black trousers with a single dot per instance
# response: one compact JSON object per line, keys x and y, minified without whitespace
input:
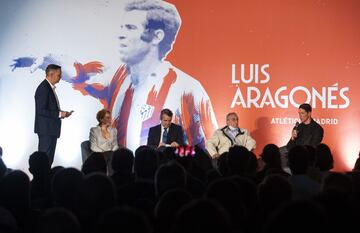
{"x":108,"y":155}
{"x":47,"y":144}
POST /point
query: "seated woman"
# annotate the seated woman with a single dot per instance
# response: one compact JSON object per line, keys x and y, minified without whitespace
{"x":103,"y":138}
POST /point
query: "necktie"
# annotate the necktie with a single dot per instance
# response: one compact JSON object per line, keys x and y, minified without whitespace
{"x":164,"y":136}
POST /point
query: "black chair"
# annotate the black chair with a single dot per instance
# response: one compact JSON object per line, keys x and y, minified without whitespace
{"x":85,"y":150}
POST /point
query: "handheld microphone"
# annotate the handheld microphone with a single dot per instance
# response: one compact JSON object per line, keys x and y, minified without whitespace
{"x":296,"y":125}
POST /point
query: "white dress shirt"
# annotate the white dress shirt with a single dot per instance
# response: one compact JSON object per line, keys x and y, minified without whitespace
{"x":57,"y":100}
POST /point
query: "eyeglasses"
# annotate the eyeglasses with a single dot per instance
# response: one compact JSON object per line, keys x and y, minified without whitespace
{"x":232,"y":119}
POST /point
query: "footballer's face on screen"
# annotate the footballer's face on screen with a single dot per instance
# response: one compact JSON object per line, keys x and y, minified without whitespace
{"x":132,"y":47}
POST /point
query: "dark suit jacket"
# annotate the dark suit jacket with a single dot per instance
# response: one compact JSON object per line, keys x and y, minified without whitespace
{"x":175,"y":134}
{"x":313,"y":138}
{"x":47,"y":121}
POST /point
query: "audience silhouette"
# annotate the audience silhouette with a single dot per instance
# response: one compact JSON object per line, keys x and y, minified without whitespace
{"x":168,"y":191}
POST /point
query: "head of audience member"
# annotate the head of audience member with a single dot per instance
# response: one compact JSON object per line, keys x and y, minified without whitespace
{"x":355,"y":177}
{"x":274,"y":191}
{"x":311,"y":155}
{"x":154,"y":25}
{"x":167,"y":207}
{"x":39,"y":164}
{"x":201,"y":216}
{"x":59,"y":220}
{"x":166,"y":154}
{"x":232,"y":120}
{"x":64,"y":187}
{"x":8,"y":223}
{"x":341,"y":210}
{"x":305,"y":113}
{"x":297,"y":216}
{"x":298,"y":160}
{"x":183,"y":156}
{"x":238,"y":160}
{"x":324,"y":157}
{"x":146,"y":163}
{"x":169,"y":176}
{"x":54,"y":170}
{"x":94,"y":163}
{"x":16,"y":198}
{"x":222,"y":164}
{"x":3,"y":168}
{"x":226,"y":192}
{"x":202,"y":158}
{"x":53,"y":73}
{"x":103,"y":117}
{"x":271,"y":156}
{"x":354,"y":196}
{"x":212,"y":175}
{"x":122,"y":219}
{"x":123,"y":161}
{"x":248,"y":194}
{"x":337,"y":180}
{"x":96,"y":193}
{"x":252,"y":164}
{"x":198,"y":163}
{"x":166,"y":117}
{"x":357,"y":164}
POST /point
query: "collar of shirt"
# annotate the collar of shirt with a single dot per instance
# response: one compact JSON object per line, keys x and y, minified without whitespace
{"x":163,"y":128}
{"x":52,"y":86}
{"x":162,"y":69}
{"x":232,"y":132}
{"x":236,"y":130}
{"x":154,"y":77}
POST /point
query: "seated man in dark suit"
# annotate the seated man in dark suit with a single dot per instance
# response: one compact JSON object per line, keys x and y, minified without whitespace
{"x":308,"y":132}
{"x":166,"y":133}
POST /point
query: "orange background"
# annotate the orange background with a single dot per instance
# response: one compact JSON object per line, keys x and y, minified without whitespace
{"x":307,"y":43}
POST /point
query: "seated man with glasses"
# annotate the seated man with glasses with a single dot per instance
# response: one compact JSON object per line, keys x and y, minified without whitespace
{"x":229,"y":136}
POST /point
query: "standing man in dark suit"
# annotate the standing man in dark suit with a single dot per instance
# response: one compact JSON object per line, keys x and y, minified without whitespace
{"x":47,"y":112}
{"x":166,"y":133}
